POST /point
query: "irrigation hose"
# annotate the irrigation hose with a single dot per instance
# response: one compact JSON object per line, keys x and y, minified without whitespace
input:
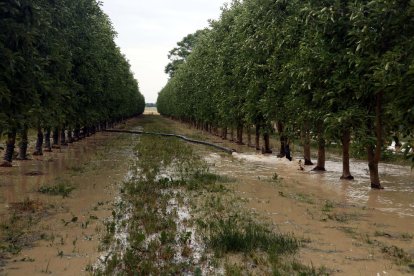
{"x":182,"y":137}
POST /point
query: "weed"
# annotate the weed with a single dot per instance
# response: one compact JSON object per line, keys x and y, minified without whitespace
{"x":399,"y":256}
{"x":303,"y":198}
{"x":46,"y":270}
{"x":62,"y":188}
{"x":165,"y":176}
{"x":233,"y":270}
{"x":16,"y":231}
{"x":406,"y":236}
{"x":348,"y":230}
{"x":328,"y":206}
{"x":342,"y":217}
{"x":77,"y":169}
{"x":236,"y":235}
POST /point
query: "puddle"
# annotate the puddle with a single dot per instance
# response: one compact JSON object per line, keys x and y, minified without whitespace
{"x":71,"y":235}
{"x":398,"y":196}
{"x":295,"y":205}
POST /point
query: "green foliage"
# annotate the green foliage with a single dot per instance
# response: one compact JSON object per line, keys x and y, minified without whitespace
{"x":237,"y":235}
{"x":318,"y":65}
{"x":62,"y":188}
{"x":179,"y":54}
{"x":60,"y":66}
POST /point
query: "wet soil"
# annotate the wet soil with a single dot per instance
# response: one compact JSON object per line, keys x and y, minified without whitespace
{"x":342,"y":234}
{"x":344,"y":226}
{"x":66,"y":240}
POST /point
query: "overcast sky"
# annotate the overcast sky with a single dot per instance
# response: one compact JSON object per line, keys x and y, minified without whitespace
{"x":148,"y":30}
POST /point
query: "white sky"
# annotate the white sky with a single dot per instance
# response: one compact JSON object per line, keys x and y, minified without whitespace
{"x":149,"y":29}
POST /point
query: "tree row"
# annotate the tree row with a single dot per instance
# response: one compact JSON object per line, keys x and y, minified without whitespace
{"x":60,"y":72}
{"x":311,"y":70}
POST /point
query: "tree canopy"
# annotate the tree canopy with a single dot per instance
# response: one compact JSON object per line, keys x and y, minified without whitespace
{"x":59,"y":65}
{"x":323,"y":69}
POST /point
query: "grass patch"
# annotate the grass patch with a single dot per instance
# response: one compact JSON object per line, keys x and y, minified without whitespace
{"x":343,"y":217}
{"x":172,"y":206}
{"x":303,"y":198}
{"x":235,"y":235}
{"x":62,"y":188}
{"x":17,"y":230}
{"x":399,"y":256}
{"x":348,"y":230}
{"x":328,"y":206}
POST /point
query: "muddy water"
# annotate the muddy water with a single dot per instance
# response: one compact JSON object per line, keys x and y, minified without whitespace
{"x":72,"y":228}
{"x":398,"y":196}
{"x":19,"y":182}
{"x":345,"y":239}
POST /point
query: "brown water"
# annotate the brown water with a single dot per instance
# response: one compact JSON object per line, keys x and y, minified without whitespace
{"x":25,"y":177}
{"x":349,"y":247}
{"x":94,"y":166}
{"x":397,"y":197}
{"x":294,"y":205}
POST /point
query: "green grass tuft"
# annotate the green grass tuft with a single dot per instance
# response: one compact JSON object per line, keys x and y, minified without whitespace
{"x":63,"y":188}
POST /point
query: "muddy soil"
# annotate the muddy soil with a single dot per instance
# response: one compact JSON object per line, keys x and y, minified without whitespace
{"x":66,"y":239}
{"x":342,"y":234}
{"x":344,"y":226}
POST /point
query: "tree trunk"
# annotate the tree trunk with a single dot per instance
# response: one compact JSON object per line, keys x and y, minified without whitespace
{"x":373,"y":169}
{"x":8,"y":154}
{"x":287,"y":150}
{"x":224,"y":133}
{"x":374,"y":155}
{"x":306,"y":146}
{"x":76,"y":134}
{"x":63,"y":137}
{"x":55,"y":144}
{"x":249,"y":136}
{"x":39,"y":142}
{"x":346,"y":141}
{"x":48,"y":147}
{"x":23,"y":144}
{"x":320,"y":166}
{"x":280,"y":128}
{"x":257,"y":138}
{"x":240,"y":135}
{"x":266,"y":142}
{"x":86,"y":131}
{"x":70,"y":137}
{"x":232,"y":134}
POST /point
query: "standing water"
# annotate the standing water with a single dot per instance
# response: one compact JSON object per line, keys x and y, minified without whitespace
{"x":397,"y":197}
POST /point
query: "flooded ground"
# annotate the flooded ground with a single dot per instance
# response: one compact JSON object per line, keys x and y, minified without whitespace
{"x":344,"y":225}
{"x":397,"y":198}
{"x":65,"y":238}
{"x":350,"y":228}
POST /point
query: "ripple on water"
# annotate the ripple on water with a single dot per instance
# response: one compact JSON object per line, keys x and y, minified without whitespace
{"x":398,"y":180}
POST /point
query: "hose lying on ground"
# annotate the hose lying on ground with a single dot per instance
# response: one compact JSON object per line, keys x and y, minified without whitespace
{"x":230,"y":151}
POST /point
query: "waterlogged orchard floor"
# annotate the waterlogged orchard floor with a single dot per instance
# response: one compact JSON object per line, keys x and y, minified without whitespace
{"x":348,"y":228}
{"x":58,"y":231}
{"x":343,"y":227}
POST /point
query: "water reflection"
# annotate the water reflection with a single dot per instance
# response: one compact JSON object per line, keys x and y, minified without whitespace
{"x":398,"y":196}
{"x":19,"y":183}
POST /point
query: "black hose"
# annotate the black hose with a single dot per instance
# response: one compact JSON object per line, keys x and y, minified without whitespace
{"x":230,"y":151}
